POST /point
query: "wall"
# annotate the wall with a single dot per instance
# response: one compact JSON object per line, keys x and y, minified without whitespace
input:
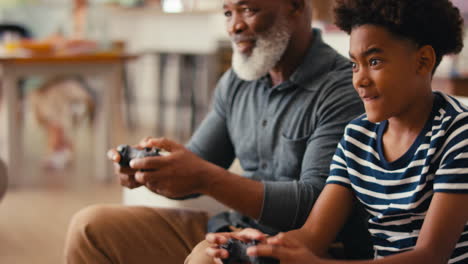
{"x":152,"y":30}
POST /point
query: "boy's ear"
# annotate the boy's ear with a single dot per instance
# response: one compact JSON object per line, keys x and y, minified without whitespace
{"x":426,"y":59}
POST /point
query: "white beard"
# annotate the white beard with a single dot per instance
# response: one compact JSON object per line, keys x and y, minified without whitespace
{"x":269,"y":48}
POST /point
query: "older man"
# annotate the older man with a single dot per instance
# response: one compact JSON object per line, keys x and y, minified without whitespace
{"x":281,"y":111}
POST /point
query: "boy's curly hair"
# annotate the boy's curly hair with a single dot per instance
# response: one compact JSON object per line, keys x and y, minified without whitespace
{"x":437,"y":23}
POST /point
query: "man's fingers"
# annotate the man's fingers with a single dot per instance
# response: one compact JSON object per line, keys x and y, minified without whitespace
{"x":128,"y":181}
{"x":123,"y":170}
{"x":143,"y":178}
{"x":149,"y":163}
{"x":162,"y":143}
{"x":113,"y":155}
{"x":146,"y":177}
{"x":144,"y":142}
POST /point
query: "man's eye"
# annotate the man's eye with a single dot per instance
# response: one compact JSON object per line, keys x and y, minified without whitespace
{"x":227,"y":13}
{"x":248,"y":10}
{"x":354,"y":66}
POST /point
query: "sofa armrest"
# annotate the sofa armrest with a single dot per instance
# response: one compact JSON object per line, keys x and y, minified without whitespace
{"x":143,"y":196}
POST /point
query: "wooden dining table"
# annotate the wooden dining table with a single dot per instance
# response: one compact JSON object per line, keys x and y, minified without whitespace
{"x":106,"y":65}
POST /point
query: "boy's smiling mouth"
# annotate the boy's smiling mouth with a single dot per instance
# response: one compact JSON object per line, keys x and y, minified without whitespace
{"x":368,"y":98}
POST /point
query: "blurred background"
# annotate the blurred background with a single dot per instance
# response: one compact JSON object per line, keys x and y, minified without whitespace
{"x":78,"y":77}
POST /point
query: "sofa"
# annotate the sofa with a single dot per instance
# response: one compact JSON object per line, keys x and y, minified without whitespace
{"x":144,"y":197}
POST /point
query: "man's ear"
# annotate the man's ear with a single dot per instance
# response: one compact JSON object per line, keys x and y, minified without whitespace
{"x":426,"y":59}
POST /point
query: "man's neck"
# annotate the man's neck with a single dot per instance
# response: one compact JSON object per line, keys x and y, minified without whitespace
{"x":291,"y":59}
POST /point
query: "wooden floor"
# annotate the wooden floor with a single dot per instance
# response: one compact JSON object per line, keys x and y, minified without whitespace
{"x":34,"y":215}
{"x":36,"y":211}
{"x":34,"y":220}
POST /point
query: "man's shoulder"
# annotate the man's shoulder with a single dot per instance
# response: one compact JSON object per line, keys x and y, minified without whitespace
{"x":230,"y":81}
{"x":336,"y":62}
{"x":228,"y":77}
{"x":340,"y":69}
{"x":334,"y":71}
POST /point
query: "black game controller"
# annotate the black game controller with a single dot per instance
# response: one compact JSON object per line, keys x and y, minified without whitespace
{"x":238,"y":253}
{"x":128,"y":153}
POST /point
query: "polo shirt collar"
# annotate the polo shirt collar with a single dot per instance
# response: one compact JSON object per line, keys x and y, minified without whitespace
{"x":319,"y":59}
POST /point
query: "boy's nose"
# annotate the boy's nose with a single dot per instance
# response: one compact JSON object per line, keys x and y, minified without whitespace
{"x":361,"y":80}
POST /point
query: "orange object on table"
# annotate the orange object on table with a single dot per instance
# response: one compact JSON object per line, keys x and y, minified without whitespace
{"x":35,"y":48}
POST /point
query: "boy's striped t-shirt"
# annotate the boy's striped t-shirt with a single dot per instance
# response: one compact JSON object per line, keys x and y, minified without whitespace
{"x":398,"y":194}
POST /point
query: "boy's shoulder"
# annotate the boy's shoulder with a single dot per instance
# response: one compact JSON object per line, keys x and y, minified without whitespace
{"x":449,"y":105}
{"x":361,"y":122}
{"x":450,"y":110}
{"x":361,"y":129}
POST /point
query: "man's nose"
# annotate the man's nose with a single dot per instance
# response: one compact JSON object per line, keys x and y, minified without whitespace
{"x":237,"y":24}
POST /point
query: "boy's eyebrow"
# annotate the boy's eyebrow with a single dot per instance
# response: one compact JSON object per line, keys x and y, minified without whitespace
{"x":368,"y":52}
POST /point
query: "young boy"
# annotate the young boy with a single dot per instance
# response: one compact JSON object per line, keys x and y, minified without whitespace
{"x":406,"y":159}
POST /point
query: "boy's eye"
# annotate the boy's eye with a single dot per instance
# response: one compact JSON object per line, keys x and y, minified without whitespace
{"x":354,"y":66}
{"x":374,"y":62}
{"x":227,"y":13}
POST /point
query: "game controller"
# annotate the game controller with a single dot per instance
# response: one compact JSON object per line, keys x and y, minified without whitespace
{"x":238,"y":253}
{"x":127,"y":153}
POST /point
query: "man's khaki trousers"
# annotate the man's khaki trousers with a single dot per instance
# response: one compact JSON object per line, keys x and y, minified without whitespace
{"x":133,"y":235}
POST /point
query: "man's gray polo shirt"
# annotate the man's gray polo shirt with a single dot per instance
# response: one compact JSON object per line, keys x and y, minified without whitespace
{"x":284,"y":136}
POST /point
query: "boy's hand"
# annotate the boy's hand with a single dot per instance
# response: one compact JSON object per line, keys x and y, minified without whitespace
{"x":218,"y":239}
{"x":286,"y":248}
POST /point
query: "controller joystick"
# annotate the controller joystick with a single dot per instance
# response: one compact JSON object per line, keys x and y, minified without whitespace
{"x":127,"y":153}
{"x":238,"y":253}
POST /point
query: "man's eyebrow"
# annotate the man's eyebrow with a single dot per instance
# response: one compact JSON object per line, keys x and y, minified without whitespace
{"x":241,"y":2}
{"x":368,"y":52}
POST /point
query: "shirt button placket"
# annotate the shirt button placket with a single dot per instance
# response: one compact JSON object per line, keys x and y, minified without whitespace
{"x":264,"y":164}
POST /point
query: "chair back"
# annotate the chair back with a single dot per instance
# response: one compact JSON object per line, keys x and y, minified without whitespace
{"x":20,"y":30}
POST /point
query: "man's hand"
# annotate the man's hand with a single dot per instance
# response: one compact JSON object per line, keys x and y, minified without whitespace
{"x":285,"y":247}
{"x":178,"y":174}
{"x":126,"y":175}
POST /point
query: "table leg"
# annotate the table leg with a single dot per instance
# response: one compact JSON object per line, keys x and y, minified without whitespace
{"x":14,"y":133}
{"x":109,"y":125}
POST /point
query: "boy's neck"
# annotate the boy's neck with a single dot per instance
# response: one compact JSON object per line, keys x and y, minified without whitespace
{"x":403,"y":130}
